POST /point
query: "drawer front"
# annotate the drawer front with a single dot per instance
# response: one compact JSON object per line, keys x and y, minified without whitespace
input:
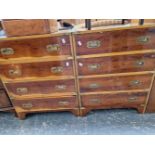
{"x":37,"y":47}
{"x":4,"y":101}
{"x":114,"y":100}
{"x":115,"y":83}
{"x":42,"y":69}
{"x":41,"y":87}
{"x":45,"y":104}
{"x":117,"y":64}
{"x":115,"y":41}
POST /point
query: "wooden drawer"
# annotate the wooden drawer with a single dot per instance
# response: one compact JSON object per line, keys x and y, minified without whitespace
{"x":115,"y":41}
{"x":24,"y":27}
{"x":114,"y":100}
{"x":35,"y":47}
{"x":42,"y":69}
{"x":41,"y":87}
{"x":4,"y":101}
{"x":45,"y":104}
{"x":115,"y":83}
{"x":117,"y":64}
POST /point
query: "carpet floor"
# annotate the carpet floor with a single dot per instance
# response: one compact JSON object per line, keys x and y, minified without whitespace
{"x":100,"y":122}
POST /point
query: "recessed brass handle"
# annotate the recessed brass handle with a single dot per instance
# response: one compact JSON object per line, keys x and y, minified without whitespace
{"x":7,"y":51}
{"x":139,"y":63}
{"x":95,"y":101}
{"x":93,"y":44}
{"x":60,"y":87}
{"x":27,"y":105}
{"x":15,"y":72}
{"x":63,"y":103}
{"x":132,"y":98}
{"x":57,"y":70}
{"x":94,"y":85}
{"x":52,"y":48}
{"x":142,"y":105}
{"x":135,"y":82}
{"x":143,"y":39}
{"x":22,"y":90}
{"x":94,"y":67}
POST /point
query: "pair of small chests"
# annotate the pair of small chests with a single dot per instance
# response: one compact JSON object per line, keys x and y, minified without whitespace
{"x":81,"y":71}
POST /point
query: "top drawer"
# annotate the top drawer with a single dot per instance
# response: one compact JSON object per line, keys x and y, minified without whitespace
{"x":35,"y":47}
{"x":115,"y":41}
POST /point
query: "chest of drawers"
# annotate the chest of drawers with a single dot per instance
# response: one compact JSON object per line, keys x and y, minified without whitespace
{"x":39,"y":73}
{"x":81,"y":71}
{"x":115,"y":68}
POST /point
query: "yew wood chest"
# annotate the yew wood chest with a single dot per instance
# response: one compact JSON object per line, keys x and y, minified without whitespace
{"x":80,"y":71}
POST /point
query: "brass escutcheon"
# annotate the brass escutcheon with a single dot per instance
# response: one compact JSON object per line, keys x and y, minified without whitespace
{"x":7,"y":51}
{"x":53,"y":48}
{"x":93,"y":44}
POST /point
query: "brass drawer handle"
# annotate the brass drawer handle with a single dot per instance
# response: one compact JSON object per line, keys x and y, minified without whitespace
{"x":27,"y":105}
{"x":94,"y":85}
{"x":60,"y":87}
{"x":13,"y":72}
{"x":93,"y":67}
{"x":139,"y":63}
{"x":22,"y":90}
{"x":7,"y":51}
{"x":63,"y":102}
{"x":93,"y":44}
{"x":143,"y":39}
{"x":95,"y":101}
{"x":132,"y":98}
{"x":135,"y":82}
{"x":52,"y":48}
{"x":57,"y":70}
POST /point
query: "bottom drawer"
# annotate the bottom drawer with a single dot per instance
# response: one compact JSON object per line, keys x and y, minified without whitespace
{"x":128,"y":100}
{"x":45,"y":104}
{"x":4,"y":100}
